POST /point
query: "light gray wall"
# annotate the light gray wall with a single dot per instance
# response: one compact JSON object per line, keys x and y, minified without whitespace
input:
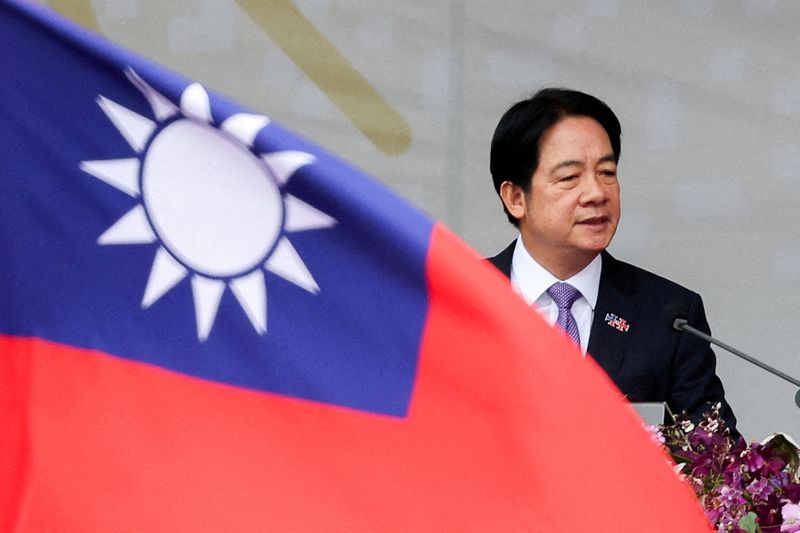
{"x":708,"y":92}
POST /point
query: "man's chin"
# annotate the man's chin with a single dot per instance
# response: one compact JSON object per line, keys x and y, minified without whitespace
{"x":596,"y":242}
{"x":592,"y":249}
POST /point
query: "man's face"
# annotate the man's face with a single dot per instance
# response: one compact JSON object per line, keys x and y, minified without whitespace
{"x":572,"y":210}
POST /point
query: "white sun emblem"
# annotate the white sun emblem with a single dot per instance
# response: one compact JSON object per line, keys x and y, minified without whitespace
{"x":216,"y":208}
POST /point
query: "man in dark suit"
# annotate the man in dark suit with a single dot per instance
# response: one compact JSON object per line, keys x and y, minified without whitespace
{"x":554,"y":165}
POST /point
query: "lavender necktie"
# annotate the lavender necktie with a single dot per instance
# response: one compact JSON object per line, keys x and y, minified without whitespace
{"x":564,"y":295}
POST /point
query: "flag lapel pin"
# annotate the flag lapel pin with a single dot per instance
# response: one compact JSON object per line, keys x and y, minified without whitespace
{"x":617,"y":322}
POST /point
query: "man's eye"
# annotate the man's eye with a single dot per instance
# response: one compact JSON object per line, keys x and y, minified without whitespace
{"x":569,"y":182}
{"x":608,"y":174}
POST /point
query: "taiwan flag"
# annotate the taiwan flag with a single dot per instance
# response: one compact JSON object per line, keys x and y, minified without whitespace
{"x":207,"y":323}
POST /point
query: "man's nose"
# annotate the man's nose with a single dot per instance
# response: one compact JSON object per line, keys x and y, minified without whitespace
{"x":593,"y":190}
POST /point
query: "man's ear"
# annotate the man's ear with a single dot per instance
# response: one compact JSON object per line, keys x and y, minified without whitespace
{"x":513,"y":198}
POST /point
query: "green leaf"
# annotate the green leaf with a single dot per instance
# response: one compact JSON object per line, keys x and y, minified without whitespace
{"x":748,"y":522}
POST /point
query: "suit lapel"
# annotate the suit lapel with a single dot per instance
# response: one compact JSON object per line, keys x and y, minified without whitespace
{"x":503,"y":260}
{"x":608,"y":344}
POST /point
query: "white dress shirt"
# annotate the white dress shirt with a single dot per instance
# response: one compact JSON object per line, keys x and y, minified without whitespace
{"x":531,"y":281}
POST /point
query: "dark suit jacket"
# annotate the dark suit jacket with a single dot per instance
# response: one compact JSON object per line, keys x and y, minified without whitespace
{"x":650,"y":361}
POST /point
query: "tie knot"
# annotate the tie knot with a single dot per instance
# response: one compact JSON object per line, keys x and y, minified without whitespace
{"x":563,"y":294}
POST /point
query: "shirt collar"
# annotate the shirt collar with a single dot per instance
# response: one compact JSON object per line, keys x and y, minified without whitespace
{"x":531,"y":279}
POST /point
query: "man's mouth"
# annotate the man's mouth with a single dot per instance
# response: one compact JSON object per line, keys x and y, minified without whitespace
{"x":594,"y":221}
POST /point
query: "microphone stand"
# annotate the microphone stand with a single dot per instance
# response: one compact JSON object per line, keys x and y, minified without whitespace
{"x":681,"y":324}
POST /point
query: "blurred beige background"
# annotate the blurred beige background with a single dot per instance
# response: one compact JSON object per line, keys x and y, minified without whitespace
{"x":708,"y":92}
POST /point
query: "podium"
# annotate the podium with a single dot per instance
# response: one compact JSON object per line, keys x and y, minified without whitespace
{"x":654,"y":413}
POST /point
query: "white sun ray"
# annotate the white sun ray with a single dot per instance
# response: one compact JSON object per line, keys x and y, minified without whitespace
{"x":161,"y":106}
{"x":134,"y":127}
{"x":245,"y":126}
{"x":251,"y":291}
{"x":301,"y":216}
{"x":165,"y":274}
{"x":196,"y":104}
{"x":284,"y":164}
{"x":122,"y":174}
{"x":132,"y":228}
{"x":207,"y":294}
{"x":286,"y":263}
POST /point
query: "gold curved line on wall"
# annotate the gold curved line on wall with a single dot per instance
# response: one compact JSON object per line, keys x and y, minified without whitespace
{"x":79,"y":11}
{"x":331,"y":72}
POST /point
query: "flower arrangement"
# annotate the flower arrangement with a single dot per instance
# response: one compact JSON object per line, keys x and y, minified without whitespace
{"x":744,"y":488}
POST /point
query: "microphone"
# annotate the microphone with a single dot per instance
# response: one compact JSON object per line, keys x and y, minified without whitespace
{"x":681,"y":324}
